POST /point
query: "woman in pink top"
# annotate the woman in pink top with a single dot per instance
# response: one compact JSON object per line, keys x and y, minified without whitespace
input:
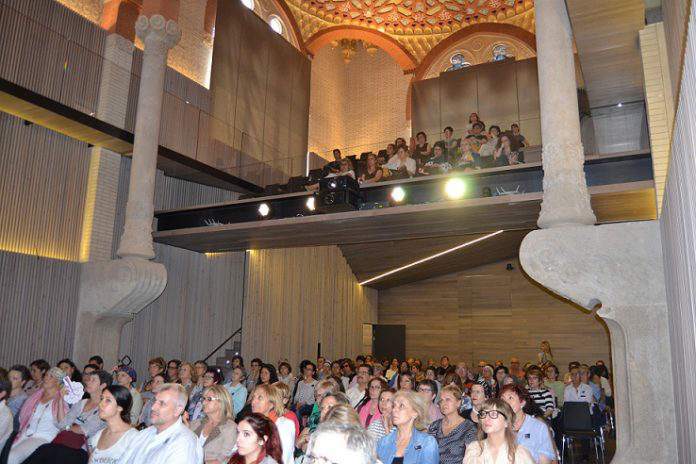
{"x":368,"y":409}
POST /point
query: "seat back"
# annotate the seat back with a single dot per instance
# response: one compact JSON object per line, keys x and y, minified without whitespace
{"x":576,"y":417}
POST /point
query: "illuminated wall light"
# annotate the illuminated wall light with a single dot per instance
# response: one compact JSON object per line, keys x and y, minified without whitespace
{"x":398,"y":194}
{"x":264,"y":209}
{"x":311,"y":203}
{"x":455,"y":189}
{"x":431,"y":257}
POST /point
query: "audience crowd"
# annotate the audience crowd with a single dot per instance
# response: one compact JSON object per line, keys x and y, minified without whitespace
{"x":478,"y":148}
{"x":361,"y":410}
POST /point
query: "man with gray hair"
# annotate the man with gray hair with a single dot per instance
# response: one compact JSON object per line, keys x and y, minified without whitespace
{"x":167,"y":440}
{"x":340,"y":443}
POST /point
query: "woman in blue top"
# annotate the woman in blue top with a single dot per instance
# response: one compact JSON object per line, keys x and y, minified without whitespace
{"x":409,"y":443}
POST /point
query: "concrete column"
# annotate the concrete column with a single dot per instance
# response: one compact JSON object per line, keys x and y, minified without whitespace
{"x":158,"y":36}
{"x":566,"y":198}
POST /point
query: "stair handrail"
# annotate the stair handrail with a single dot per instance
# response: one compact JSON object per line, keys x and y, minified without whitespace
{"x":236,"y":332}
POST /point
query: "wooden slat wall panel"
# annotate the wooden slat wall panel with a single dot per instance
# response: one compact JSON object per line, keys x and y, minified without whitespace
{"x":42,"y":190}
{"x":490,"y":313}
{"x":676,"y":17}
{"x":678,"y":223}
{"x":299,"y":297}
{"x":38,"y":304}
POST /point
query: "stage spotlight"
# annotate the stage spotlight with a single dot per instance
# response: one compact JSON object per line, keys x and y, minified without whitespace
{"x":264,"y":209}
{"x":311,"y":203}
{"x":398,"y":195}
{"x":455,"y":189}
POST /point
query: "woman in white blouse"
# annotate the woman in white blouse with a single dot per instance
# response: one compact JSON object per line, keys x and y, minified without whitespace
{"x":499,"y":446}
{"x":109,"y":445}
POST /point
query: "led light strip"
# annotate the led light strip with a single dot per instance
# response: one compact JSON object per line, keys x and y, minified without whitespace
{"x":436,"y":255}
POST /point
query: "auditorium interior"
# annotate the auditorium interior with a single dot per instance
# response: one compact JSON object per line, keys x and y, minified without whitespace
{"x":407,"y":178}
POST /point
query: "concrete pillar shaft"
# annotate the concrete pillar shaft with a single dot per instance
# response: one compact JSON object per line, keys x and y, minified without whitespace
{"x":158,"y":36}
{"x":566,"y":198}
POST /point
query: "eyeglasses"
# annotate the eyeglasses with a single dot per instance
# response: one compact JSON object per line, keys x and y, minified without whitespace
{"x":210,"y":398}
{"x":310,"y":459}
{"x":426,"y":390}
{"x":209,"y":376}
{"x":493,"y":414}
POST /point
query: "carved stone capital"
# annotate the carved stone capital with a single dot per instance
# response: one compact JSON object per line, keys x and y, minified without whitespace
{"x":157,"y":33}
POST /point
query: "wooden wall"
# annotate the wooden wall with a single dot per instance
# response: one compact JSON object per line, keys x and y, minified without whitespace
{"x":501,"y":93}
{"x":676,"y":17}
{"x":490,"y":313}
{"x":260,"y":95}
{"x":298,"y":297}
{"x":678,"y":223}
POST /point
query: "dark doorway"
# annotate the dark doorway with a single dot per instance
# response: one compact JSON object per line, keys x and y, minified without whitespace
{"x":389,"y":341}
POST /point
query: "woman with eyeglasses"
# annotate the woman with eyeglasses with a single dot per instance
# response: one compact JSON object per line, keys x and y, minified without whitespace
{"x":216,"y":431}
{"x":499,"y":445}
{"x":409,"y":443}
{"x":532,"y":433}
{"x":257,"y":441}
{"x":428,"y":390}
{"x":453,"y":432}
{"x":478,"y":397}
{"x":212,"y":376}
{"x":368,"y":408}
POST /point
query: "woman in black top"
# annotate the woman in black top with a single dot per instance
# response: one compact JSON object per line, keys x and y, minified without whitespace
{"x":373,"y":172}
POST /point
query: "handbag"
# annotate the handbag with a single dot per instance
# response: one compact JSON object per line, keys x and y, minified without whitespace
{"x":70,"y":439}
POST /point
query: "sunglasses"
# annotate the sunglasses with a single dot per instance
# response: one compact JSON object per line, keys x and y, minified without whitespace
{"x":210,"y":398}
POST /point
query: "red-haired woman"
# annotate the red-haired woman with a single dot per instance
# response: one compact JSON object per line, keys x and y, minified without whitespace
{"x":257,"y":441}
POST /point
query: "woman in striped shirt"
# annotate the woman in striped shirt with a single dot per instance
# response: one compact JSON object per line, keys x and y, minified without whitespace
{"x":542,"y":396}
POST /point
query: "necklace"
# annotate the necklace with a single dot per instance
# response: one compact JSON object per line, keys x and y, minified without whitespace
{"x":45,"y":407}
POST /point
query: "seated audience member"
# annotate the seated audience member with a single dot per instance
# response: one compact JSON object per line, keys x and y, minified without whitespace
{"x":368,"y":408}
{"x":237,"y":390}
{"x":253,"y":374}
{"x":285,"y":374}
{"x":542,"y":396}
{"x":217,"y":430}
{"x":444,"y":368}
{"x":556,"y":386}
{"x":267,"y":400}
{"x":329,"y":386}
{"x":450,"y":145}
{"x":532,"y":433}
{"x":212,"y":376}
{"x":40,"y":416}
{"x":409,"y":441}
{"x":496,"y":437}
{"x":341,"y":443}
{"x":267,"y":375}
{"x":452,"y":432}
{"x":578,"y":391}
{"x":380,"y":427}
{"x":500,"y":373}
{"x":345,"y":169}
{"x":516,"y":371}
{"x":334,"y":165}
{"x":173,"y":367}
{"x":487,"y":380}
{"x":199,"y":367}
{"x":437,"y":162}
{"x":478,"y":133}
{"x":6,"y":418}
{"x":37,"y":370}
{"x":401,"y":164}
{"x":304,"y":390}
{"x":473,"y":119}
{"x":89,"y":369}
{"x":257,"y":442}
{"x":18,"y":377}
{"x":325,"y":405}
{"x":478,"y":397}
{"x":126,"y":377}
{"x":469,"y":159}
{"x":342,"y":413}
{"x":487,"y":150}
{"x":519,"y":141}
{"x":392,"y":371}
{"x":428,"y":390}
{"x":111,"y":444}
{"x":70,"y":369}
{"x":149,"y":399}
{"x":400,"y":142}
{"x":285,"y":393}
{"x":504,"y":154}
{"x":187,"y":376}
{"x":83,"y":416}
{"x":97,"y":361}
{"x":406,"y":382}
{"x":168,"y":440}
{"x":419,"y":148}
{"x":357,"y":392}
{"x":155,"y":366}
{"x":431,"y":374}
{"x":372,"y":172}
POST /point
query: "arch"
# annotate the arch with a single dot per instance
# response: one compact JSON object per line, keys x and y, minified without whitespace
{"x":397,"y":51}
{"x":498,"y":28}
{"x":288,"y":19}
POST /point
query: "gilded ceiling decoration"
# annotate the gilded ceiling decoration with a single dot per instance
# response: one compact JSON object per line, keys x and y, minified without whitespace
{"x":418,"y":25}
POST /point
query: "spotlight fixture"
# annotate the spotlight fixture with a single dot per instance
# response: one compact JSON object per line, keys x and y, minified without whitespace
{"x":620,"y":105}
{"x":311,"y":203}
{"x":455,"y":189}
{"x":398,"y":194}
{"x":264,"y":209}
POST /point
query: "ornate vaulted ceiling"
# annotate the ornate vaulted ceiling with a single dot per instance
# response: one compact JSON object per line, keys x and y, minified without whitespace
{"x":417,"y":25}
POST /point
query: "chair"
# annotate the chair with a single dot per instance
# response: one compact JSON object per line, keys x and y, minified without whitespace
{"x":577,"y":425}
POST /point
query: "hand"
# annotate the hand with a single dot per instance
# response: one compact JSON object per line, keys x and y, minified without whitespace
{"x":77,"y":429}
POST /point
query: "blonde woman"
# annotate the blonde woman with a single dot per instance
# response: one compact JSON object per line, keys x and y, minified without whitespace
{"x":410,"y":442}
{"x":499,"y":446}
{"x":216,"y":431}
{"x":343,"y":414}
{"x":187,"y":376}
{"x":545,"y":356}
{"x":268,"y":400}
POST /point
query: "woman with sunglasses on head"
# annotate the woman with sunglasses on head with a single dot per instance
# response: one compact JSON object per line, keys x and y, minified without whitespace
{"x":217,"y":431}
{"x":257,"y":441}
{"x":499,"y":445}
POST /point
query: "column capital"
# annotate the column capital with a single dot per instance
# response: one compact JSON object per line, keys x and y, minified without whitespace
{"x":157,"y":32}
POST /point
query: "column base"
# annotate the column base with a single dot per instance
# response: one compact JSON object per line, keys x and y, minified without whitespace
{"x":111,"y":294}
{"x":619,"y":267}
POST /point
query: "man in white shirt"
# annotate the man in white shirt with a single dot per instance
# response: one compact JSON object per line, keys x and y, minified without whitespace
{"x":578,"y":391}
{"x":5,"y":413}
{"x":357,"y":392}
{"x":168,"y":440}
